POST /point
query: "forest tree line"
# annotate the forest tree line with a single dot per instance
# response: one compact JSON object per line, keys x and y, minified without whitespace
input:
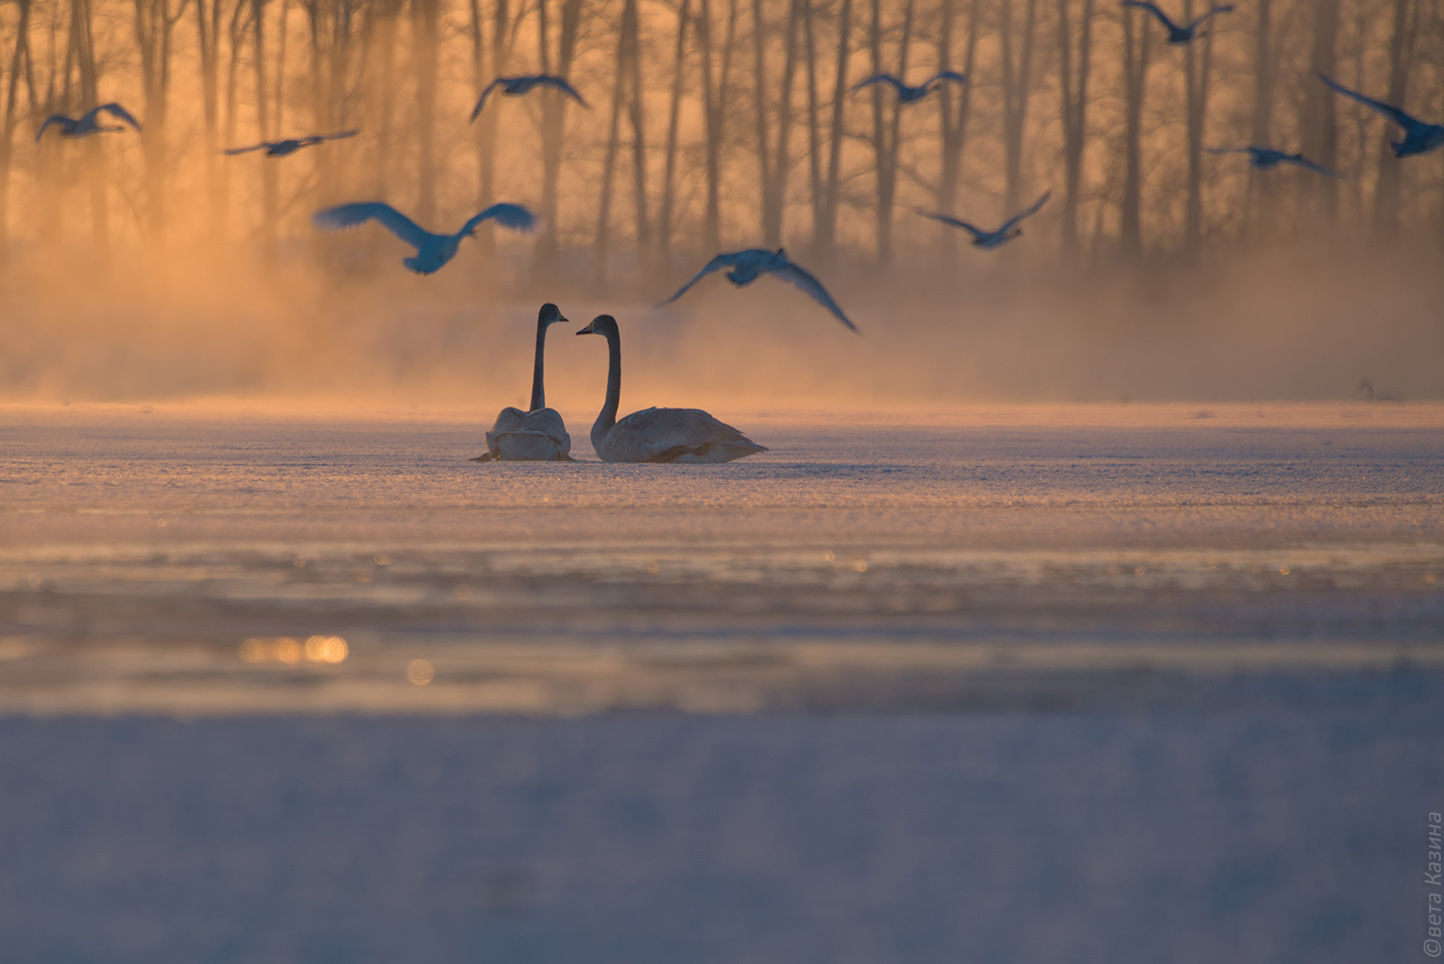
{"x":721,"y":123}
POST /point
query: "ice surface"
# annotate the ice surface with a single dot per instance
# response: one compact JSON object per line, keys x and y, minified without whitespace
{"x":1116,"y":684}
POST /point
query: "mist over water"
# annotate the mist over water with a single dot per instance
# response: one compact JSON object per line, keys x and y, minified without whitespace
{"x":1304,"y":324}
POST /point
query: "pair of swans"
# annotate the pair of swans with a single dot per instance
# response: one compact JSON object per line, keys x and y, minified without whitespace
{"x":651,"y":435}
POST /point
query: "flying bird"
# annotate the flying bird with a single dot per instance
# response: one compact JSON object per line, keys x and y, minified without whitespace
{"x":657,"y":434}
{"x":748,"y":265}
{"x":906,"y":94}
{"x":1419,"y":137}
{"x":990,"y":239}
{"x":89,"y":122}
{"x":433,"y":251}
{"x":538,"y":434}
{"x":516,"y":86}
{"x":291,"y":146}
{"x":1178,"y":33}
{"x":1265,"y":158}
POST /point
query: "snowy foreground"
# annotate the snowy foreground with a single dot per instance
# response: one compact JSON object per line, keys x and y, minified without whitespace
{"x":1114,"y":684}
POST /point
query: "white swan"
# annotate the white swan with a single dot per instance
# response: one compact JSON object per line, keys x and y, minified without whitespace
{"x":657,"y":434}
{"x":988,"y":240}
{"x":89,"y":122}
{"x":747,"y":266}
{"x":538,"y":434}
{"x":433,"y":251}
{"x":290,"y":145}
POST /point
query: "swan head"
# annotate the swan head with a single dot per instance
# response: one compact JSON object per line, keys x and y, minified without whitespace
{"x":601,"y":325}
{"x":549,"y":315}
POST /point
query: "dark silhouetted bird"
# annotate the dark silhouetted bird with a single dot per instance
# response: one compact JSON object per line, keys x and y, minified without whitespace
{"x":89,"y":122}
{"x":748,"y":265}
{"x":282,"y":148}
{"x":1419,"y":137}
{"x":517,"y":86}
{"x":1265,"y":158}
{"x":990,"y":239}
{"x":433,"y":251}
{"x":1178,"y":33}
{"x":906,"y":94}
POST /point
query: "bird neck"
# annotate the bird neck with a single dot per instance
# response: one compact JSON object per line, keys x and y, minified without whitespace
{"x":608,"y":416}
{"x":538,"y":394}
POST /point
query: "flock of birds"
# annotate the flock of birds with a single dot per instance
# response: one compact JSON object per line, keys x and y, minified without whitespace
{"x":686,"y":434}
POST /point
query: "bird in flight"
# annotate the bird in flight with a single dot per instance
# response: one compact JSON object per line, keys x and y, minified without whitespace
{"x":748,"y":265}
{"x":516,"y":86}
{"x":1419,"y":137}
{"x":906,"y":94}
{"x":89,"y":122}
{"x":990,"y":239}
{"x":291,"y":146}
{"x":1265,"y":158}
{"x":433,"y":251}
{"x":1179,"y":33}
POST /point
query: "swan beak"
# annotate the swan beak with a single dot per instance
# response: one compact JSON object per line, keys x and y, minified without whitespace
{"x":563,"y":318}
{"x":587,"y":330}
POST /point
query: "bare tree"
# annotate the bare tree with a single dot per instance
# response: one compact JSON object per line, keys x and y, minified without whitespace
{"x":1135,"y":76}
{"x":19,"y":53}
{"x":714,"y":95}
{"x":1320,"y":121}
{"x":773,"y":167}
{"x":1197,"y":68}
{"x":669,"y":175}
{"x":1387,"y":187}
{"x":1017,"y":91}
{"x":1073,"y":89}
{"x":885,"y":128}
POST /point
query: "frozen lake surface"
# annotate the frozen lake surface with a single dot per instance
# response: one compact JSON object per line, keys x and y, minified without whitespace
{"x":1123,"y":683}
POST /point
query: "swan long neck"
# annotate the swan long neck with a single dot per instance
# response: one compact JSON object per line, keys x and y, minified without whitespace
{"x":538,"y":393}
{"x":608,"y":416}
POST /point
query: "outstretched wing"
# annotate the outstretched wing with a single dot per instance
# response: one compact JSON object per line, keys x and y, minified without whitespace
{"x":118,"y":112}
{"x":350,"y":215}
{"x":481,"y":102}
{"x":716,"y":264}
{"x":972,"y":229}
{"x":880,"y":79}
{"x":942,"y":75}
{"x":1304,"y":162}
{"x":1152,"y":8}
{"x":245,"y":150}
{"x":560,"y":83}
{"x":512,"y":216}
{"x":1007,"y":225}
{"x":338,"y":136}
{"x":1393,"y":113}
{"x":1223,"y":8}
{"x":52,"y":119}
{"x":1228,"y":150}
{"x":800,"y":278}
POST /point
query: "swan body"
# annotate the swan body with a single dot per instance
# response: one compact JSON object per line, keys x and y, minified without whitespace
{"x":1419,"y":137}
{"x":1178,"y":33}
{"x":657,"y":434}
{"x":538,"y":434}
{"x":988,"y":240}
{"x":433,"y":251}
{"x":89,"y":122}
{"x":747,"y":266}
{"x":906,"y":94}
{"x":517,"y":86}
{"x":290,"y":146}
{"x":1265,"y":158}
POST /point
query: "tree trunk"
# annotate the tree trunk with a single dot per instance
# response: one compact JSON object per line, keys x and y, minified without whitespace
{"x":609,"y":163}
{"x":554,"y":107}
{"x":954,"y":120}
{"x":714,"y":95}
{"x":1387,"y":188}
{"x":1319,"y":124}
{"x":1135,"y":63}
{"x":11,"y":119}
{"x":1258,"y":204}
{"x":1017,"y":90}
{"x":426,"y":49}
{"x":826,"y":239}
{"x":886,"y":129}
{"x":1197,"y":84}
{"x":664,"y":224}
{"x":1074,"y":91}
{"x":637,"y":114}
{"x":268,"y":171}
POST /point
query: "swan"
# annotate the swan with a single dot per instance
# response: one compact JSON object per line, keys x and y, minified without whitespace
{"x":748,"y":265}
{"x":657,"y":434}
{"x":89,"y":122}
{"x":291,"y":146}
{"x":1265,"y":158}
{"x":1178,"y":33}
{"x":433,"y":251}
{"x":990,"y":239}
{"x":906,"y":94}
{"x":516,"y":86}
{"x":1419,"y":137}
{"x":538,"y":434}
